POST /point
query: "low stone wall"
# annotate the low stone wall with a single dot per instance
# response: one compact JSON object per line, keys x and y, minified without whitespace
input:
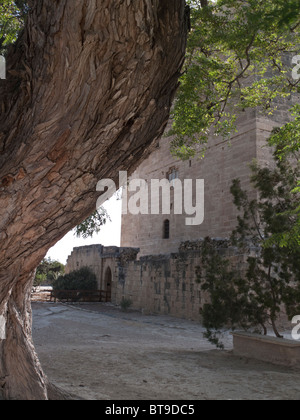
{"x":100,"y":259}
{"x":267,"y":349}
{"x":167,"y":284}
{"x":163,"y":284}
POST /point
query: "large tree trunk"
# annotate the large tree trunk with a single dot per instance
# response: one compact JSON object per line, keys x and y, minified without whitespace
{"x":89,"y":88}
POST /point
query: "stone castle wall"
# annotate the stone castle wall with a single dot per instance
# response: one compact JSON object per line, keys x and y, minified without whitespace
{"x":162,"y":284}
{"x":161,"y":276}
{"x":100,"y":260}
{"x":167,"y":284}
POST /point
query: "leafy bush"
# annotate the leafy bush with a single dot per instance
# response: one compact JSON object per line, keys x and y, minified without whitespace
{"x":230,"y":52}
{"x":126,"y":304}
{"x":93,"y":224}
{"x":12,"y":19}
{"x":270,"y":222}
{"x":83,"y":279}
{"x":47,"y":272}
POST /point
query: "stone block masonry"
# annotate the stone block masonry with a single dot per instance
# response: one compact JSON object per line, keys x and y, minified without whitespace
{"x":267,"y":349}
{"x":167,"y":284}
{"x":108,"y":263}
{"x":223,"y":162}
{"x":159,"y":284}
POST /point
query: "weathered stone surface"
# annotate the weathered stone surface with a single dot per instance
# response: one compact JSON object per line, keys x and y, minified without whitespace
{"x":89,"y":88}
{"x":267,"y":349}
{"x":223,"y":162}
{"x":162,"y":284}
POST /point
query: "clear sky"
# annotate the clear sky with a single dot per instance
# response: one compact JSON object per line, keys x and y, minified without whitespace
{"x":110,"y":234}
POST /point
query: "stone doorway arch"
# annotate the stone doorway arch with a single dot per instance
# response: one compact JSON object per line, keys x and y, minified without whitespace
{"x":108,"y":283}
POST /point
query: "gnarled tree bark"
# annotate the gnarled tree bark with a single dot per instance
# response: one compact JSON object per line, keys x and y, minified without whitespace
{"x":89,"y":88}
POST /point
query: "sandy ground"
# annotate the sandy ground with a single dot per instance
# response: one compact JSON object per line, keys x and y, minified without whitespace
{"x":99,"y":353}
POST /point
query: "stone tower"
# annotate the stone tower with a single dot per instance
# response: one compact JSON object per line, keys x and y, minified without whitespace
{"x":223,"y":162}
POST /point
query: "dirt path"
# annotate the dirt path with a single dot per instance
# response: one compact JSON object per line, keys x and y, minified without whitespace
{"x":101,"y":353}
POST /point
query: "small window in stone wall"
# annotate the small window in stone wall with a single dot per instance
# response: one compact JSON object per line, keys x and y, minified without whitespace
{"x":166,"y":229}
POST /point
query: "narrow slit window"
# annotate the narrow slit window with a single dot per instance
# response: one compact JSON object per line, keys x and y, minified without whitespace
{"x":166,"y":233}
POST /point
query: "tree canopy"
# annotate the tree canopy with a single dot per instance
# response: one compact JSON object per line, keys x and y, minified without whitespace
{"x":12,"y":16}
{"x":286,"y":141}
{"x":239,"y":56}
{"x":92,"y":225}
{"x":48,"y":271}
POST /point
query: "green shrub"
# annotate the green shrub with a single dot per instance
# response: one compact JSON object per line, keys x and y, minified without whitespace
{"x":126,"y":304}
{"x":269,"y":223}
{"x":83,"y":279}
{"x":47,"y":272}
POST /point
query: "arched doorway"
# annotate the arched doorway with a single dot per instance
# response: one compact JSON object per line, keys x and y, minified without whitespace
{"x":108,"y":283}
